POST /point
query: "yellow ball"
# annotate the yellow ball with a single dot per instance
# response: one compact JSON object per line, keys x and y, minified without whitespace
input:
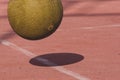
{"x":35,"y":19}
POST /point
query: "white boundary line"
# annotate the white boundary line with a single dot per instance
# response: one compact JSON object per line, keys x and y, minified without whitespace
{"x":47,"y":62}
{"x":102,"y":26}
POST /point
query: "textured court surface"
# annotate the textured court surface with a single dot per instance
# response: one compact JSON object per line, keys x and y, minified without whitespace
{"x":86,"y":46}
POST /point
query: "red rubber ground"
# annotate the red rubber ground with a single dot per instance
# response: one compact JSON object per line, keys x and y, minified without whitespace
{"x":89,"y":39}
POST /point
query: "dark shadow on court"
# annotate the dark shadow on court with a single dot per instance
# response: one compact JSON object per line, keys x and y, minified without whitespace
{"x":83,"y":10}
{"x":7,"y":35}
{"x":3,"y":16}
{"x":56,"y":59}
{"x":4,"y":2}
{"x":87,"y":0}
{"x":91,"y":15}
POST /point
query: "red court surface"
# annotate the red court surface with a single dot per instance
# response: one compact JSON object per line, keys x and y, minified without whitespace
{"x":86,"y":46}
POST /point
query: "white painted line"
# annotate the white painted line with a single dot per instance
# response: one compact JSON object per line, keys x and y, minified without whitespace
{"x":45,"y":61}
{"x":102,"y":26}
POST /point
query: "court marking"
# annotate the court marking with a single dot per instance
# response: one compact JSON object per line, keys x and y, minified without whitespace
{"x":47,"y":62}
{"x":94,"y":27}
{"x":102,"y":26}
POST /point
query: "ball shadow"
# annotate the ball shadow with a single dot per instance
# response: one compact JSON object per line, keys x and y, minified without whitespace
{"x":8,"y":35}
{"x":4,"y":16}
{"x":56,"y":59}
